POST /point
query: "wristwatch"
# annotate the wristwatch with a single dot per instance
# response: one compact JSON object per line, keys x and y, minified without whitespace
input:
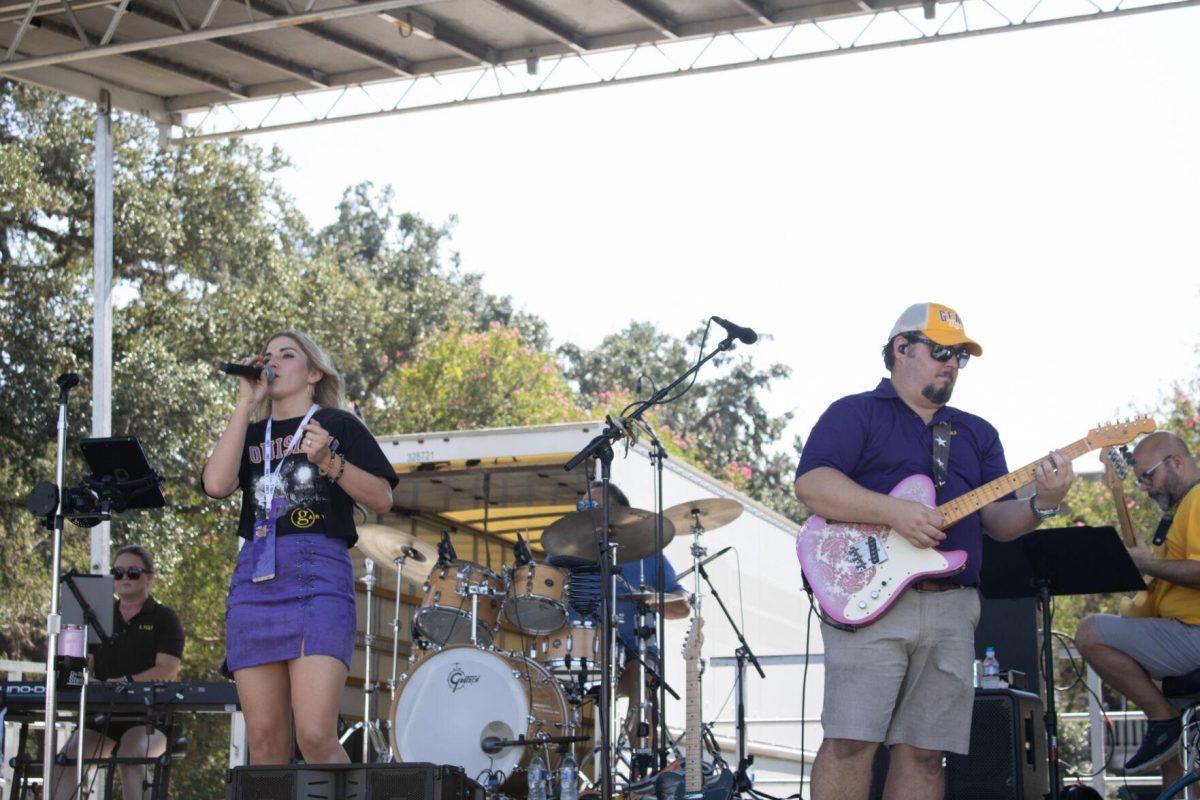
{"x":1042,"y":514}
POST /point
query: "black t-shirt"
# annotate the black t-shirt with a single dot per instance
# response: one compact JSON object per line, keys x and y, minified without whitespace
{"x":312,"y":502}
{"x":136,"y":644}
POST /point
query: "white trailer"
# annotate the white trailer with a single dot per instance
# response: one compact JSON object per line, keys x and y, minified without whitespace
{"x":486,"y":486}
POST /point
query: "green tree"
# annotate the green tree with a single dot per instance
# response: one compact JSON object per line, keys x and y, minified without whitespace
{"x":720,"y":423}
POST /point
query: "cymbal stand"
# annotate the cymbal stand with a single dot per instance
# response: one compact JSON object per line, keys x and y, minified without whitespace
{"x":372,"y":733}
{"x":643,"y":756}
{"x":405,"y":554}
{"x":698,"y":554}
{"x":600,"y":449}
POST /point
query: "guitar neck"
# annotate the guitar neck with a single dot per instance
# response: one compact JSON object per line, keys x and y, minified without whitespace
{"x":972,"y":501}
{"x":693,"y":772}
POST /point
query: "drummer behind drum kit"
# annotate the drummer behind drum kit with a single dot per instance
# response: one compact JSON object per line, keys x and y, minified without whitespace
{"x":465,"y":702}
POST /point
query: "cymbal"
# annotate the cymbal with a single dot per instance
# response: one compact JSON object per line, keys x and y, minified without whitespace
{"x":385,"y":545}
{"x":644,"y":594}
{"x":711,"y":512}
{"x":632,"y":529}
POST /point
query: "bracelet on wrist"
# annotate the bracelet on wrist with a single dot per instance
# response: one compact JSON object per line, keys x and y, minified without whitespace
{"x":341,"y":469}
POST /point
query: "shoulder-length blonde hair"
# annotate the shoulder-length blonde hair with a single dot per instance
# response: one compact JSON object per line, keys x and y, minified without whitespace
{"x":328,"y":391}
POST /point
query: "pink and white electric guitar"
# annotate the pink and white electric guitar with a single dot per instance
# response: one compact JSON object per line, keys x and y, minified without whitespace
{"x":857,"y":572}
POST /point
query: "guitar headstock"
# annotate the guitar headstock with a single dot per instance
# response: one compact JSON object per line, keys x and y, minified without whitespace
{"x":1116,"y":461}
{"x":1120,"y":432}
{"x":695,"y":638}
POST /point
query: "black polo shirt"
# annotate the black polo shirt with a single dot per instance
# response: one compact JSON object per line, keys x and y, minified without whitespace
{"x":136,"y":644}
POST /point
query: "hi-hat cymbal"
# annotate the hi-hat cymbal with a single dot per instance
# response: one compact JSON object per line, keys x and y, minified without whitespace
{"x":644,"y":594}
{"x":711,"y":513}
{"x":632,"y":529}
{"x":385,"y":545}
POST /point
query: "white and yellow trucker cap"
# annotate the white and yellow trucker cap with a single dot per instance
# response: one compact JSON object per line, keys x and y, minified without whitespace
{"x":939,"y":323}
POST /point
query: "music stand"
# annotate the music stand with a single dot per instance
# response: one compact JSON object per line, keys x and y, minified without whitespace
{"x":97,"y":592}
{"x":1050,"y":563}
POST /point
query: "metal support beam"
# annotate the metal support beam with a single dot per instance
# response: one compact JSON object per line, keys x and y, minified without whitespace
{"x":570,"y":38}
{"x":755,"y":9}
{"x":310,"y":76}
{"x":275,"y":23}
{"x":24,"y":26}
{"x":457,"y":41}
{"x":394,"y":64}
{"x":647,"y":15}
{"x":102,"y":267}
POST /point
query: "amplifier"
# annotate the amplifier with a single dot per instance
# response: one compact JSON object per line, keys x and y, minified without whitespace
{"x":351,"y":782}
{"x":1007,"y":760}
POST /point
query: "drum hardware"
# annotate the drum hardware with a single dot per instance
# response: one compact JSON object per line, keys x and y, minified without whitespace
{"x":405,"y":553}
{"x":494,"y":744}
{"x":372,"y":737}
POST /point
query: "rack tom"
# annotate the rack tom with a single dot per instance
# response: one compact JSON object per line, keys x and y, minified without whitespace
{"x":572,"y":651}
{"x":445,"y":613}
{"x":536,"y":598}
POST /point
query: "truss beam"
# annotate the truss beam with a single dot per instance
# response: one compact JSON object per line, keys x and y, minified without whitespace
{"x":671,"y":70}
{"x":312,"y":77}
{"x":284,"y":21}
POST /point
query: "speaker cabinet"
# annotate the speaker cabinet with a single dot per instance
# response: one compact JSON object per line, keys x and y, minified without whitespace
{"x":1007,"y":760}
{"x":351,"y":782}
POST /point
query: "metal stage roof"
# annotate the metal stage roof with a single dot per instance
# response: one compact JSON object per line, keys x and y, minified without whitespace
{"x":205,"y":68}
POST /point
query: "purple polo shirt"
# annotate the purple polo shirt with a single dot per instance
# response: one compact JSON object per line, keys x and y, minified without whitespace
{"x":876,"y":440}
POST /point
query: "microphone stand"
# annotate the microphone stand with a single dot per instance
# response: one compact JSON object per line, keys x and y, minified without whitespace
{"x":741,"y":780}
{"x":600,"y":448}
{"x":66,"y":382}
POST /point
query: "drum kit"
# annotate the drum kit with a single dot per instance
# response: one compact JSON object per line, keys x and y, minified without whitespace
{"x":464,"y":700}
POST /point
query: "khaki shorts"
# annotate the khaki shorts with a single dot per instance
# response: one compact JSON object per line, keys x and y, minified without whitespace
{"x":907,"y":678}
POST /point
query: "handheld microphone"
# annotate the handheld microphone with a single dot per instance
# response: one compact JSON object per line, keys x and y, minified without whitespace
{"x":743,"y":335}
{"x":246,"y":371}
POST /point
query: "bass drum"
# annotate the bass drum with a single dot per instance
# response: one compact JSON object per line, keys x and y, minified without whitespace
{"x":453,"y":699}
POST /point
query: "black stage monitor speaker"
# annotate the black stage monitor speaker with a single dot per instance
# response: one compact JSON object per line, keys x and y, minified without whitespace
{"x":1007,"y":760}
{"x":352,"y":782}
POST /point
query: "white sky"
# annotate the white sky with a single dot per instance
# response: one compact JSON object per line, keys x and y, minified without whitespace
{"x":1041,"y":182}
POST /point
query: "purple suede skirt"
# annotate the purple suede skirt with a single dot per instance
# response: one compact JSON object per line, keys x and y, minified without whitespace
{"x":306,"y":609}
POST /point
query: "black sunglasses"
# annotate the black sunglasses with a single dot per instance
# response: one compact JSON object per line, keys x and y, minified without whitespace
{"x":942,"y":353}
{"x":133,"y":572}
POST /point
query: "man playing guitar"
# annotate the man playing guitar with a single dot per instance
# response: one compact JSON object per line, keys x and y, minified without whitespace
{"x":1130,"y":653}
{"x":906,"y":679}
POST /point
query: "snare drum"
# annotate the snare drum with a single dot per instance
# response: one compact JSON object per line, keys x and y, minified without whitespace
{"x":535,"y":602}
{"x":573,"y":650}
{"x":445,"y":613}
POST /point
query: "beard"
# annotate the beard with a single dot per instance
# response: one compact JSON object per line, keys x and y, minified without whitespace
{"x":938,"y":395}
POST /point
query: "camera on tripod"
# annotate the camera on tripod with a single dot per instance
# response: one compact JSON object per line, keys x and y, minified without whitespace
{"x":121,"y":480}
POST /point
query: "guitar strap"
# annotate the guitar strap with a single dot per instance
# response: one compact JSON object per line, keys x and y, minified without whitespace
{"x":1164,"y":525}
{"x":941,"y":452}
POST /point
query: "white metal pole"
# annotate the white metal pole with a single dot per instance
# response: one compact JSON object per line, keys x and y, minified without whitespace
{"x":102,"y":231}
{"x":1096,"y":730}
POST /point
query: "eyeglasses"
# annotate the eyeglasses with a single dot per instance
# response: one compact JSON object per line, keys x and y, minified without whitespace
{"x":942,"y":353}
{"x":133,"y":572}
{"x":1145,"y":476}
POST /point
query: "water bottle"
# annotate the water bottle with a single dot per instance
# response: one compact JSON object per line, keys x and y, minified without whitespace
{"x":537,"y":779}
{"x":990,"y":678}
{"x":568,"y":779}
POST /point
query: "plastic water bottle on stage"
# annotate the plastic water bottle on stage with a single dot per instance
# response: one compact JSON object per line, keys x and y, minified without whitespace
{"x":991,"y":671}
{"x":568,"y":779}
{"x":537,"y":779}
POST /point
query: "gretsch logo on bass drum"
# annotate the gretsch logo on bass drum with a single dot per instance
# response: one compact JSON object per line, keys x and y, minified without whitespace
{"x":459,"y":677}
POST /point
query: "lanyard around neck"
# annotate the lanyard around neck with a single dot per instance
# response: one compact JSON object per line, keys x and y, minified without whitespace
{"x":271,"y":478}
